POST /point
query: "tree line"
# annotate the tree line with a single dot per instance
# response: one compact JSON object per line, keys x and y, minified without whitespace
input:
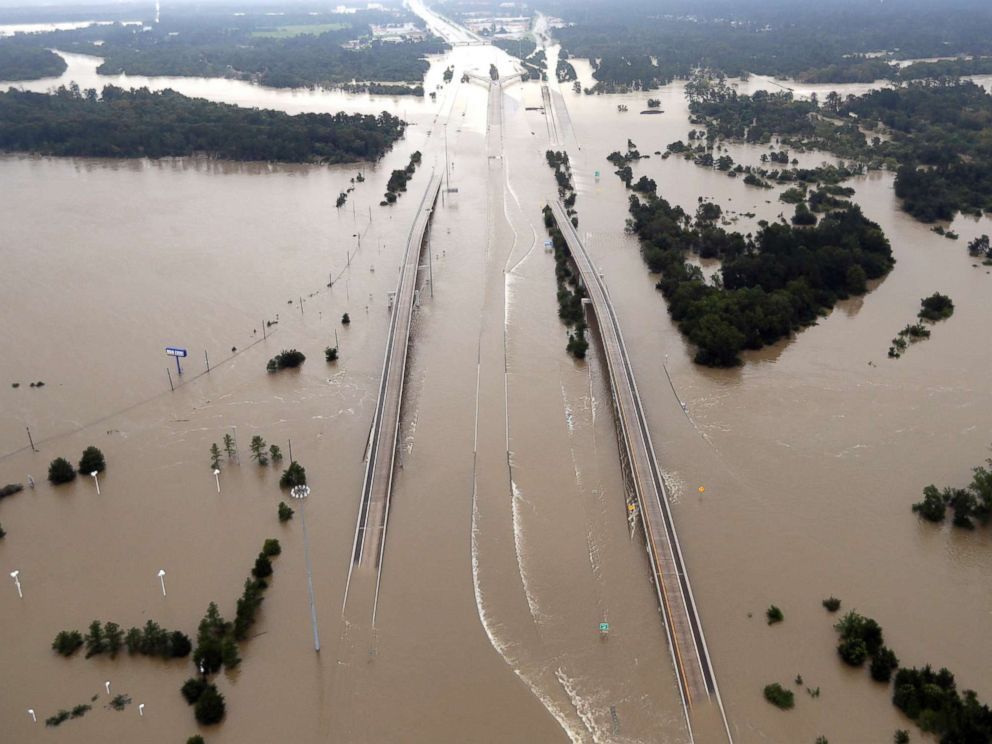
{"x":938,"y":135}
{"x":142,"y":123}
{"x":639,"y":46}
{"x":210,"y":43}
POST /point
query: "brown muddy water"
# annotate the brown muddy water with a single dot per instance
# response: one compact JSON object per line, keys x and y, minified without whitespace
{"x":508,"y":540}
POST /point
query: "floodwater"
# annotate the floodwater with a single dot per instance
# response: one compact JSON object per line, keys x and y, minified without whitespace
{"x":508,"y":537}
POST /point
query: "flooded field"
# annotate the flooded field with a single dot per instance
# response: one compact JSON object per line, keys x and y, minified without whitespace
{"x":508,"y":536}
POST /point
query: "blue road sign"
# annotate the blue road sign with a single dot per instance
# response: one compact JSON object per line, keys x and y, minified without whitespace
{"x":178,"y":353}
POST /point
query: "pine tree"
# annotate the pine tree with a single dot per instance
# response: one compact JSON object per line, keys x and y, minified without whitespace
{"x":257,"y":448}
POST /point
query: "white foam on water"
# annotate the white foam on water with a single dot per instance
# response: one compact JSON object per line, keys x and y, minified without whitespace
{"x":584,"y":707}
{"x":502,"y":646}
{"x":518,"y":548}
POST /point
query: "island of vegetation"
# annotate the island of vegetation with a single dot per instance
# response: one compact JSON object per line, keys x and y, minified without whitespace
{"x":969,"y":504}
{"x":141,"y":123}
{"x":931,"y":699}
{"x":28,"y":62}
{"x":768,"y":286}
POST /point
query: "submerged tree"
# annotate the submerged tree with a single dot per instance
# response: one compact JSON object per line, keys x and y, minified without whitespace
{"x":60,"y":471}
{"x":257,"y":448}
{"x":92,"y":460}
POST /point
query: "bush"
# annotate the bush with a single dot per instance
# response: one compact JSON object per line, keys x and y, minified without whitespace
{"x":883,"y":663}
{"x":285,"y":512}
{"x":933,"y":507}
{"x":271,"y":547}
{"x":291,"y":359}
{"x":10,"y":489}
{"x":193,"y":688}
{"x":345,"y":319}
{"x":60,"y":471}
{"x":3,"y":533}
{"x":774,"y":615}
{"x":936,"y":307}
{"x":832,"y":604}
{"x":779,"y":696}
{"x":263,"y":567}
{"x":210,"y":706}
{"x":92,"y":460}
{"x":195,"y":740}
{"x":67,"y":642}
{"x":179,"y":645}
{"x":294,"y":475}
{"x":331,"y":353}
{"x":853,"y":651}
{"x":61,"y":717}
{"x":901,"y":737}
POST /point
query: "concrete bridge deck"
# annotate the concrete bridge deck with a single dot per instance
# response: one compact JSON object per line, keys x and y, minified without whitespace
{"x":377,"y":488}
{"x":683,"y":627}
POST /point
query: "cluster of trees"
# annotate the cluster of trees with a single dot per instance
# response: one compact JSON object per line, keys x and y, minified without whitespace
{"x":817,"y":42}
{"x":28,"y":62}
{"x":262,"y":452}
{"x":521,"y":48}
{"x":929,"y":698}
{"x":559,"y":163}
{"x":110,"y":638}
{"x":142,"y":123}
{"x":565,"y":71}
{"x":768,"y":286}
{"x":932,"y":700}
{"x":933,"y":308}
{"x":570,"y":290}
{"x":398,"y":180}
{"x":217,"y":639}
{"x":201,"y":42}
{"x":861,"y":639}
{"x":61,"y":471}
{"x":971,"y":503}
{"x":63,"y":715}
{"x":286,"y":359}
{"x":980,"y":247}
{"x":939,"y":135}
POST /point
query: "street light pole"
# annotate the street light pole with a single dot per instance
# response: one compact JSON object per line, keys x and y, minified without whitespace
{"x":161,"y":578}
{"x":217,"y":478}
{"x":17,"y":583}
{"x":96,"y":480}
{"x":300,"y":493}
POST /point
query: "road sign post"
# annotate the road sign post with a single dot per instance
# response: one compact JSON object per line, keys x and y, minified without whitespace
{"x":178,"y":354}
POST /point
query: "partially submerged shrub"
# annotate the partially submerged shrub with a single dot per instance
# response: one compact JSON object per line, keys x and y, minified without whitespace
{"x":779,"y":696}
{"x":67,"y":642}
{"x":60,"y":471}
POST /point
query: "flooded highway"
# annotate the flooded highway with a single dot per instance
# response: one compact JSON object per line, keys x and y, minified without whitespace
{"x":509,"y":540}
